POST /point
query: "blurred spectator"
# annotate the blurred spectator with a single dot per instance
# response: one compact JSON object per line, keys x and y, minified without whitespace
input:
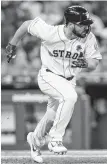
{"x":52,"y":12}
{"x":4,"y":65}
{"x":7,"y":31}
{"x":103,"y":43}
{"x":103,"y":64}
{"x":31,"y":8}
{"x":2,"y":16}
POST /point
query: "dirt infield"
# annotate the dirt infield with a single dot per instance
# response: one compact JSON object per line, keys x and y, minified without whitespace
{"x":72,"y":157}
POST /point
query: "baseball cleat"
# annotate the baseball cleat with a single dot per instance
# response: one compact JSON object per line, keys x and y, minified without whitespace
{"x":57,"y":147}
{"x":35,"y":150}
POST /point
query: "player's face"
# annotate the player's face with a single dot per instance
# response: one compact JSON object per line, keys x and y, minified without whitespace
{"x":81,"y":30}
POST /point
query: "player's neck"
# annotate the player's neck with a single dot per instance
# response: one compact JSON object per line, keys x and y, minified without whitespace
{"x":69,"y":34}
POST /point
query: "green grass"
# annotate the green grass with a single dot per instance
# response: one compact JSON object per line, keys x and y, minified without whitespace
{"x":72,"y":157}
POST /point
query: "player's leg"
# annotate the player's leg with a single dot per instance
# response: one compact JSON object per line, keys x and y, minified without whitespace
{"x":35,"y":150}
{"x":63,"y":116}
{"x":37,"y":138}
{"x":46,"y":122}
{"x":56,"y":143}
{"x":62,"y":119}
{"x":64,"y":92}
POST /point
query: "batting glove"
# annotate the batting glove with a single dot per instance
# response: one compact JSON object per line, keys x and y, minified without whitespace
{"x":10,"y":51}
{"x":80,"y":63}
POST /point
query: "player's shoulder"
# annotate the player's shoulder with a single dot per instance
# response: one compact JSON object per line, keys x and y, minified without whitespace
{"x":42,"y":21}
{"x":91,"y":36}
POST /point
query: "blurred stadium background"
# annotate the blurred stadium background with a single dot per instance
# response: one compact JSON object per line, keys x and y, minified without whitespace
{"x":23,"y":104}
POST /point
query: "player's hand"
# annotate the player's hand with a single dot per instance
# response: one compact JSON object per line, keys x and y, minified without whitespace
{"x":10,"y":51}
{"x":80,"y":63}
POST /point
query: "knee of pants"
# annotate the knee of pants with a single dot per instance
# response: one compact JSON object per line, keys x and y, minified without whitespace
{"x":53,"y":105}
{"x":51,"y":115}
{"x":71,"y":96}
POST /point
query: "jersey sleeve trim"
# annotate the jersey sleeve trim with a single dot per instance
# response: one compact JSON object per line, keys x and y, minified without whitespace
{"x":95,"y":55}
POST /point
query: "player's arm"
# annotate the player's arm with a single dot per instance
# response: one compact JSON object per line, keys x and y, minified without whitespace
{"x":93,"y":56}
{"x":36,"y":27}
{"x":91,"y":64}
{"x":19,"y":34}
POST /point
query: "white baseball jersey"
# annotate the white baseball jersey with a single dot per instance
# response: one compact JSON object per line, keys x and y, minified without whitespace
{"x":59,"y":53}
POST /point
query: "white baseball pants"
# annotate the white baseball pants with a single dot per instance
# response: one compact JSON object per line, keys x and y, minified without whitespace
{"x":62,"y":98}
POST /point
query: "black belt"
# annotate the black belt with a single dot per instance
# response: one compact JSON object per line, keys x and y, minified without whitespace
{"x":68,"y":78}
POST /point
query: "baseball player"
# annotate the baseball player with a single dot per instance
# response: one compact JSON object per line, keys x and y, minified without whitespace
{"x":65,"y":50}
